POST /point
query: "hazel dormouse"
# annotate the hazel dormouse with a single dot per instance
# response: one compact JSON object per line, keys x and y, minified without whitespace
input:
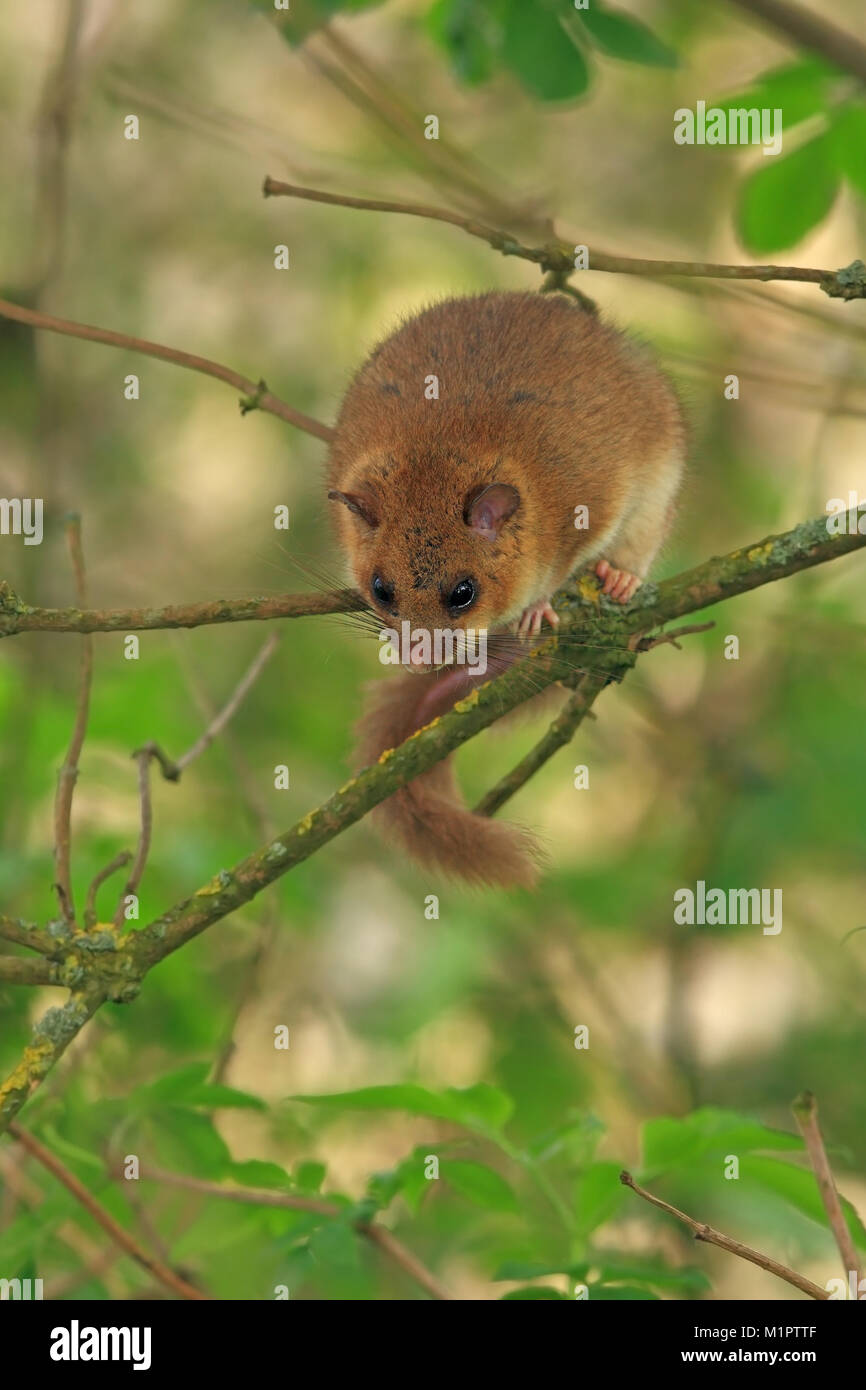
{"x":464,"y":447}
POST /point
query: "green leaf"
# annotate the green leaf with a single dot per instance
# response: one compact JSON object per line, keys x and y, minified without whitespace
{"x":788,"y":196}
{"x":798,"y":1186}
{"x":577,"y":1136}
{"x":174,"y":1086}
{"x":310,"y":1175}
{"x":619,"y":35}
{"x":539,"y":50}
{"x":598,"y":1196}
{"x":187,"y":1141}
{"x":219,"y":1097}
{"x":479,"y":1184}
{"x":481,"y":1107}
{"x":531,"y":1269}
{"x":536,"y":1294}
{"x":848,"y":134}
{"x":335,"y":1245}
{"x":799,"y":90}
{"x":255,"y":1172}
{"x":687,"y":1280}
{"x":668,"y":1144}
{"x":467,"y":32}
{"x":619,"y":1293}
{"x":413,"y":1184}
{"x":73,"y":1152}
{"x":188,"y":1086}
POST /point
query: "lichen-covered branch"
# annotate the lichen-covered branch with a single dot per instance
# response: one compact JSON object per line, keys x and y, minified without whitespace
{"x":51,"y":1037}
{"x":100,"y":965}
{"x":17,"y":616}
{"x":589,"y":624}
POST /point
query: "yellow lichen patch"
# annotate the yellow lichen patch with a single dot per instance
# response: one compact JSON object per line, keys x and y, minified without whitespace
{"x":306,"y":825}
{"x":758,"y":551}
{"x":424,"y":727}
{"x":463,"y":706}
{"x":588,"y":588}
{"x":208,"y":890}
{"x":28,"y":1069}
{"x":385,"y":755}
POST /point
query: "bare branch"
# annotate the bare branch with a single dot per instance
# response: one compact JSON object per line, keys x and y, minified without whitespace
{"x":646,"y":644}
{"x":172,"y":770}
{"x":68,"y":774}
{"x":805,"y":1110}
{"x":268,"y":1197}
{"x":561,"y":731}
{"x":702,"y":1231}
{"x":117,"y":862}
{"x":256,"y":395}
{"x":142,"y":849}
{"x":810,"y":30}
{"x":16,"y":616}
{"x":121,"y":1237}
{"x":557,"y":256}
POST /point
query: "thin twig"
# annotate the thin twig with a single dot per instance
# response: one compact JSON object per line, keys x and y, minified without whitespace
{"x":646,"y":644}
{"x":256,"y":395}
{"x":96,"y":1260}
{"x":68,"y":774}
{"x":117,"y":862}
{"x":16,"y":616}
{"x":565,"y":725}
{"x":805,"y":1110}
{"x":160,"y":1271}
{"x":266,"y":1197}
{"x":702,"y":1231}
{"x":172,"y":770}
{"x":142,"y":849}
{"x":561,"y":731}
{"x":557,"y":255}
{"x":809,"y":30}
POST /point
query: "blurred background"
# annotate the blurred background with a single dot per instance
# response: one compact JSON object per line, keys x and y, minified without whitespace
{"x":744,"y":773}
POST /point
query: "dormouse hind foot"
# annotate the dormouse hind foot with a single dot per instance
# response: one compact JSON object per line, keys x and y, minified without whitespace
{"x":531,"y":618}
{"x":620,"y":585}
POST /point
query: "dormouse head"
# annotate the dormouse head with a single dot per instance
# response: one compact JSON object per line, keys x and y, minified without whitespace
{"x":440,"y":558}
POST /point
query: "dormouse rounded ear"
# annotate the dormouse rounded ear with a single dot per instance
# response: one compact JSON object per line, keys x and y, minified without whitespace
{"x":363,"y":504}
{"x":488,"y":510}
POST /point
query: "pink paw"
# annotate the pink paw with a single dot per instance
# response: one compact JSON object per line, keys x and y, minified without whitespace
{"x":531,"y":618}
{"x":620,"y":585}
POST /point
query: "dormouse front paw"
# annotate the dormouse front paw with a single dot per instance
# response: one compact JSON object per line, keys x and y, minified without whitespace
{"x":531,"y":618}
{"x":620,"y":585}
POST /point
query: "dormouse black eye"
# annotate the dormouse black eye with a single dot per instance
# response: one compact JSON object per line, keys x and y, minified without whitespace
{"x":462,"y":596}
{"x":383,"y":593}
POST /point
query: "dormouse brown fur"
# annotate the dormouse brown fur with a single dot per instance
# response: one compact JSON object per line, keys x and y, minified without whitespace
{"x":466,"y":448}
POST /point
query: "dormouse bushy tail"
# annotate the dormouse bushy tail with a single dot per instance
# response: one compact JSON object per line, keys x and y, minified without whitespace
{"x":427,"y":816}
